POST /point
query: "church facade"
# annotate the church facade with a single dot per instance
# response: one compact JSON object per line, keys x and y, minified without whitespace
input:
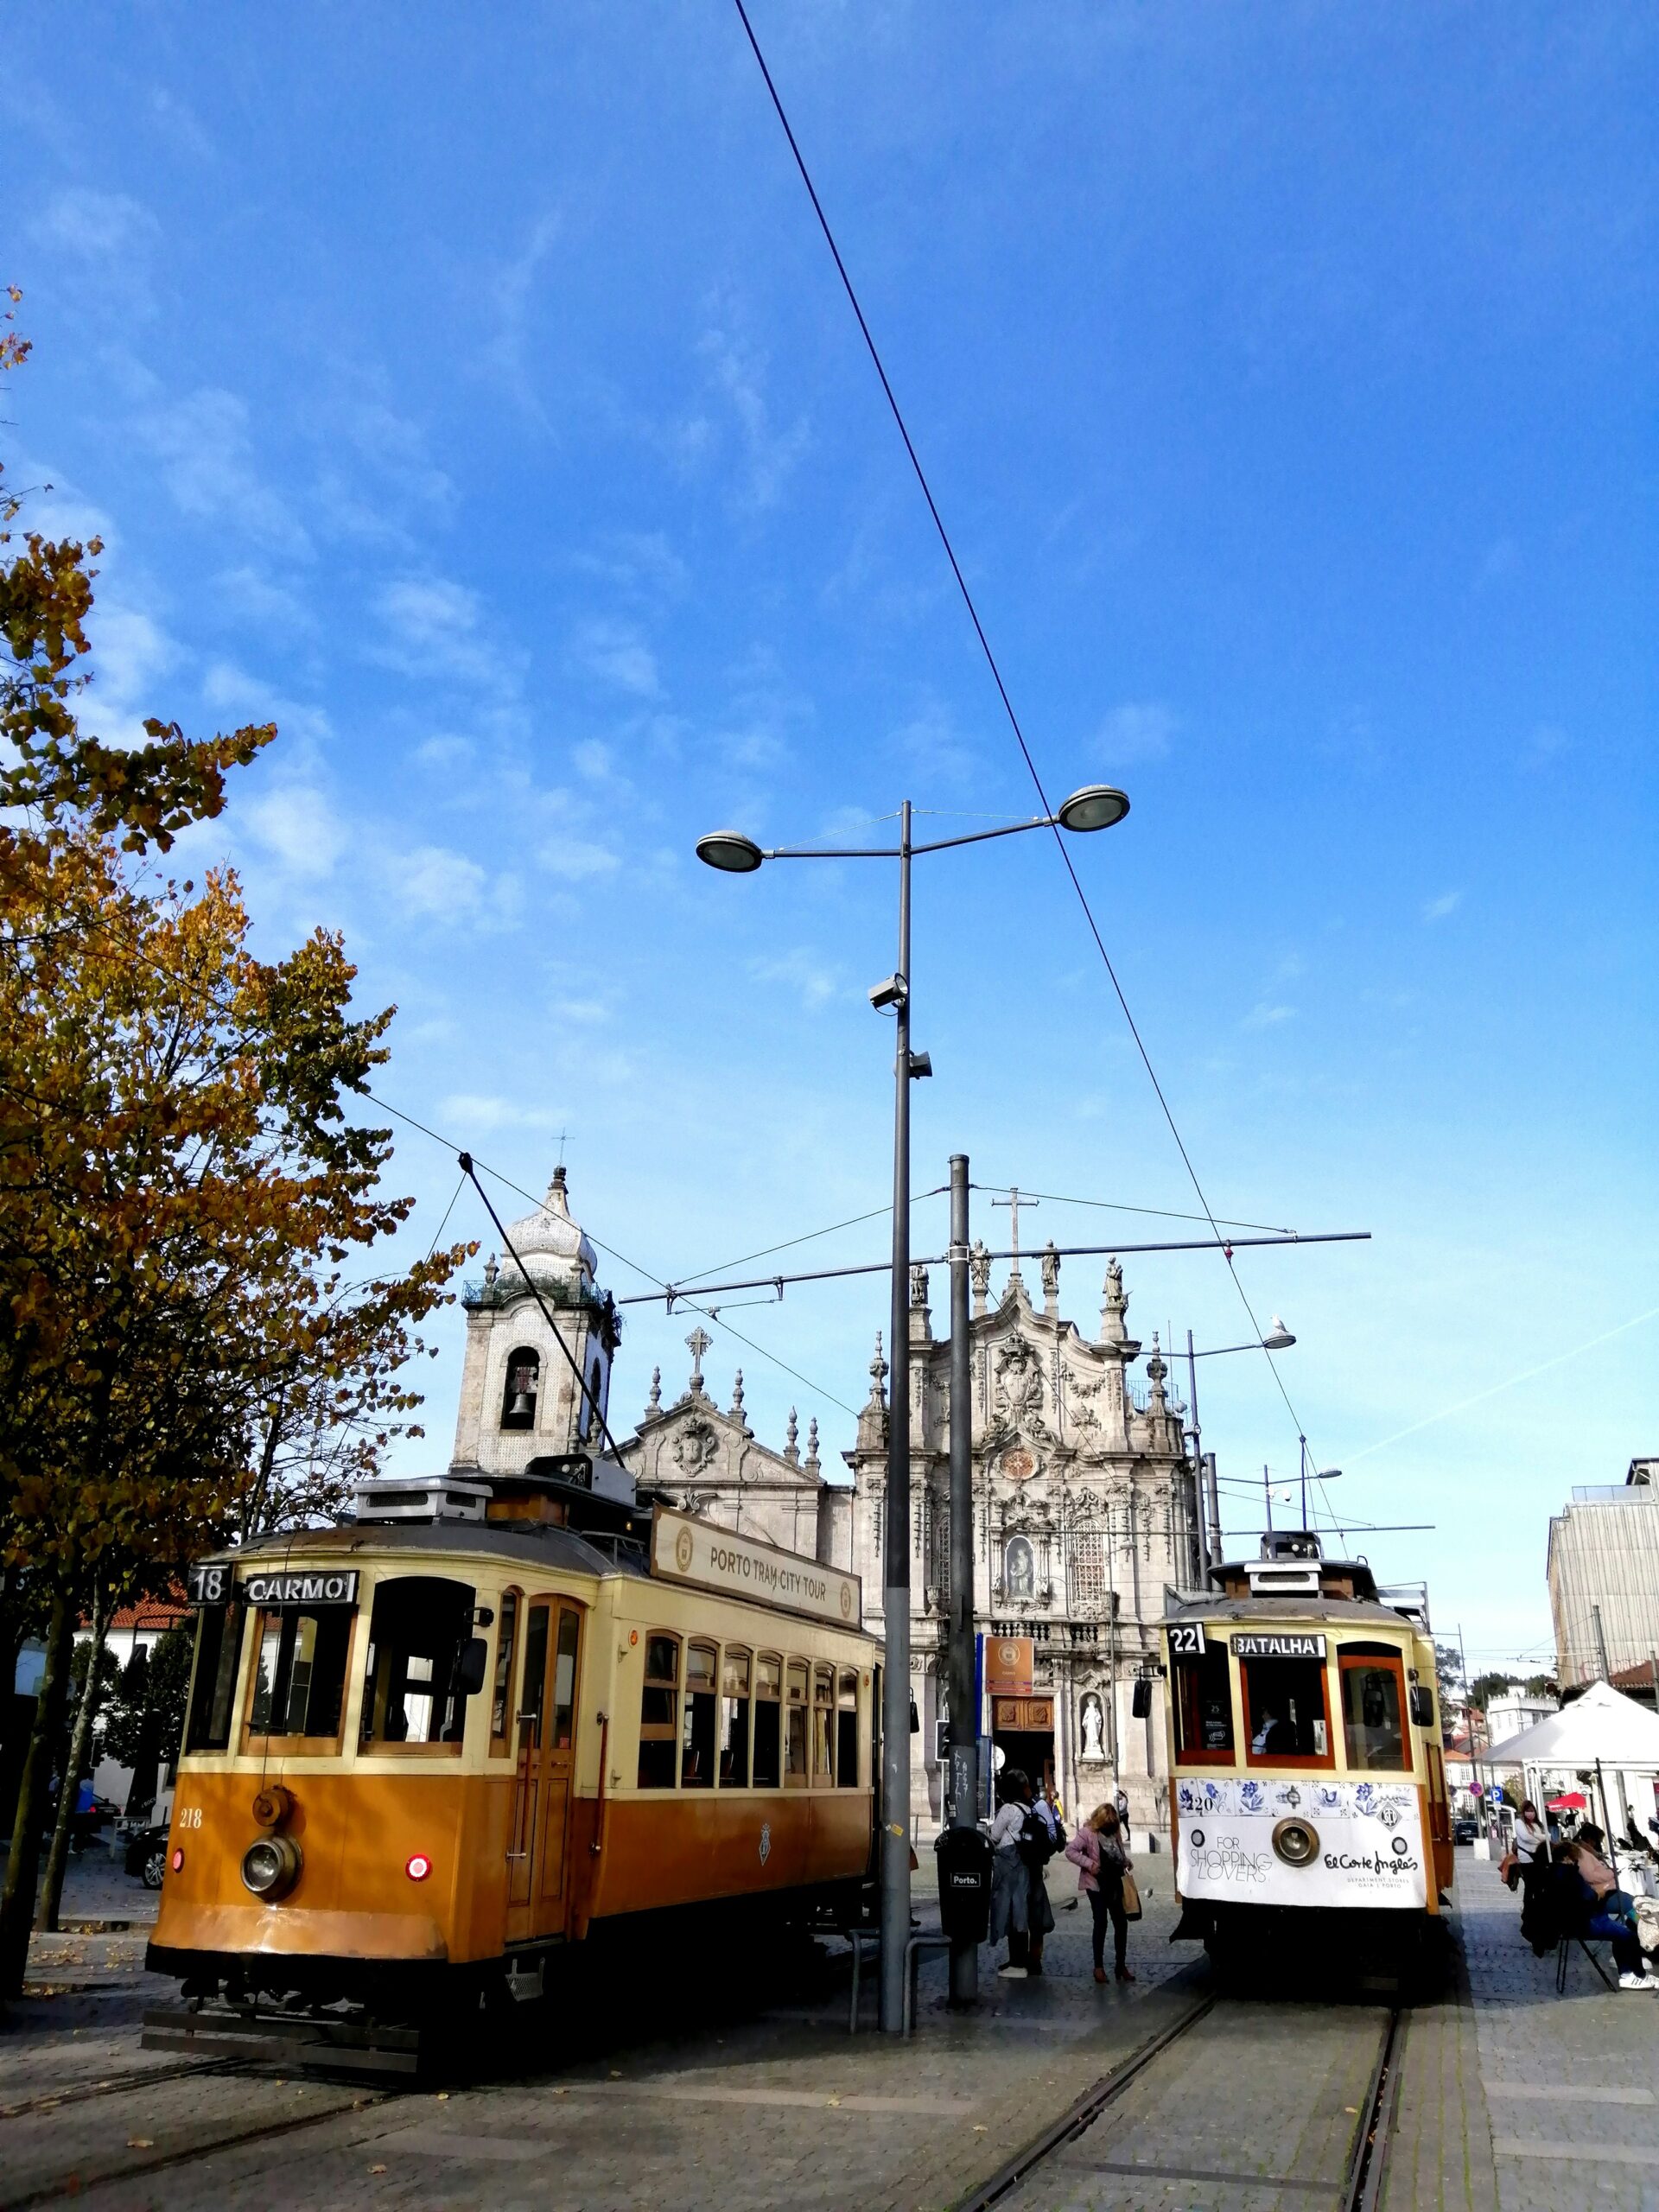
{"x":1084,"y":1511}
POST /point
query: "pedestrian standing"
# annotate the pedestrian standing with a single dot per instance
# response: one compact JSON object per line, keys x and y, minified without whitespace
{"x":1099,"y":1851}
{"x":1010,"y":1879}
{"x":1042,"y":1837}
{"x":1123,"y":1814}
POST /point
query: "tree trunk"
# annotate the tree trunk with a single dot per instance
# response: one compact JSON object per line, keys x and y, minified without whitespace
{"x":17,"y":1899}
{"x":57,"y":1857}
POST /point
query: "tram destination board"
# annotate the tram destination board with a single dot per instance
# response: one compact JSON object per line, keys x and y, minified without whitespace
{"x":215,"y":1583}
{"x":687,"y":1550}
{"x":1279,"y":1647}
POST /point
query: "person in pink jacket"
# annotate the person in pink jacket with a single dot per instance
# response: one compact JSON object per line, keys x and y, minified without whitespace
{"x":1101,"y":1858}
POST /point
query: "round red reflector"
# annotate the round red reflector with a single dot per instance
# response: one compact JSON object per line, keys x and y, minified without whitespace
{"x":417,"y":1867}
{"x":177,"y":1861}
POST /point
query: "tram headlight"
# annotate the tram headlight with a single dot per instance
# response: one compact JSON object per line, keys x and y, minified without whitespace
{"x":271,"y":1866}
{"x":1297,"y":1842}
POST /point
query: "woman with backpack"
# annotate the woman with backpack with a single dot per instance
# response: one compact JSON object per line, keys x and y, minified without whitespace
{"x":1010,"y":1876}
{"x":1040,"y":1838}
{"x":1103,"y":1861}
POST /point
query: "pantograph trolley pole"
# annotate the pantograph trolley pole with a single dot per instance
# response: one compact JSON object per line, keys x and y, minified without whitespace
{"x":964,"y":1718}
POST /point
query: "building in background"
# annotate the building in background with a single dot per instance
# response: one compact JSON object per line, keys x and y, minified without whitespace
{"x":1604,"y":1582}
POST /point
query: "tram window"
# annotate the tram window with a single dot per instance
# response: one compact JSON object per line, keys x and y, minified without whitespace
{"x":823,"y":1726}
{"x":847,"y":1730}
{"x":734,"y":1720}
{"x":1203,"y":1698}
{"x":564,"y":1680}
{"x":1372,"y":1734}
{"x":698,"y":1728}
{"x":212,"y":1701}
{"x":768,"y":1721}
{"x":412,"y":1691}
{"x":300,"y":1670}
{"x":501,"y":1691}
{"x":1285,"y":1714}
{"x":660,"y":1712}
{"x":795,"y":1713}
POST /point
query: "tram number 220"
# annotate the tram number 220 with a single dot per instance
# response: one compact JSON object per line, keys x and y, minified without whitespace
{"x":1187,"y":1641}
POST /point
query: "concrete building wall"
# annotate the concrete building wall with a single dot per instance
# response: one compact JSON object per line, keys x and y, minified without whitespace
{"x":1604,"y":1554}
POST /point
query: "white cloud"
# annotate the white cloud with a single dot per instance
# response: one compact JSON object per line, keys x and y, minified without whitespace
{"x":738,"y":371}
{"x":576,"y":859}
{"x":299,"y":827}
{"x":638,"y":561}
{"x":207,"y":459}
{"x":1436,"y":909}
{"x":616,"y":654}
{"x":251,"y":595}
{"x":805,"y":973}
{"x":1268,"y":1016}
{"x":435,"y":628}
{"x":130,"y":652}
{"x":96,"y":226}
{"x":930,"y":742}
{"x":585,"y":1013}
{"x":1140,"y":730}
{"x":467,"y":1111}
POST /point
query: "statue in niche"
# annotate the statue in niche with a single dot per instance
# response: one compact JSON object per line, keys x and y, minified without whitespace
{"x":979,"y":1266}
{"x":1021,"y":1569}
{"x":1094,"y":1727}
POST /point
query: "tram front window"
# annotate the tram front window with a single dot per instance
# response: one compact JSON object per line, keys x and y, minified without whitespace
{"x":1372,"y":1734}
{"x":1284,"y":1712}
{"x":698,"y":1733}
{"x":218,"y":1649}
{"x":735,"y":1720}
{"x":411,"y":1694}
{"x":299,"y":1682}
{"x":1203,"y":1699}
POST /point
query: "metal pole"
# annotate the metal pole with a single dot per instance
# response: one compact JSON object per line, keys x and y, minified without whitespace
{"x":964,"y":1718}
{"x":1267,"y":1494}
{"x":1214,"y":1486}
{"x":1302,"y":1441}
{"x":1601,"y":1644}
{"x":895,"y":1594}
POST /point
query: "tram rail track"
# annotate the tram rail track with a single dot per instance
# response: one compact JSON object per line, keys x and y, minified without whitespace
{"x":1358,"y":2190}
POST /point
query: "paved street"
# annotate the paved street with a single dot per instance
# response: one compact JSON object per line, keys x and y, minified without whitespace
{"x":1510,"y":2098}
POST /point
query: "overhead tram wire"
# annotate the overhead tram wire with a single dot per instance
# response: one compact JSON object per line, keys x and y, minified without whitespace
{"x":1117,"y":1206}
{"x":1001,"y":688}
{"x":812,"y":1235}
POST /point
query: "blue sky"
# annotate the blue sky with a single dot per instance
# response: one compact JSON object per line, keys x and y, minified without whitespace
{"x":471,"y":392}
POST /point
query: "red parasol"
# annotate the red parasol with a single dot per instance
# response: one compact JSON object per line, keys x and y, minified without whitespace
{"x":1575,"y":1802}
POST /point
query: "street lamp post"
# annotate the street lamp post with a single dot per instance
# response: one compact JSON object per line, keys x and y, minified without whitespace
{"x":1278,"y":1338}
{"x":1096,"y":806}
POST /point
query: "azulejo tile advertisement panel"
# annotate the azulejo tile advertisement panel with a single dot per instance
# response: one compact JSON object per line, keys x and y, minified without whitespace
{"x":1240,"y":1845}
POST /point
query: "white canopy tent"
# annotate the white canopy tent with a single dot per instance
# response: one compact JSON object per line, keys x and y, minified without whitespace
{"x":1602,"y":1729}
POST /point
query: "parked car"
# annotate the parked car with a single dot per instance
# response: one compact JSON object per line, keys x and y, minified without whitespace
{"x":147,"y":1855}
{"x":1464,"y":1829}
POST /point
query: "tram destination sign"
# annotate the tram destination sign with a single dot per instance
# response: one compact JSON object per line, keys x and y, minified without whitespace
{"x":1279,"y":1647}
{"x":215,"y":1583}
{"x":683,"y":1549}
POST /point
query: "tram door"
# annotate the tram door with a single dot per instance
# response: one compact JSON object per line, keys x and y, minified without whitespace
{"x":547,"y":1751}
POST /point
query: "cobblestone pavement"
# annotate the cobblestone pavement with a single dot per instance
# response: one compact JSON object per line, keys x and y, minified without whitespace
{"x":1571,"y":2082}
{"x":697,"y":2088}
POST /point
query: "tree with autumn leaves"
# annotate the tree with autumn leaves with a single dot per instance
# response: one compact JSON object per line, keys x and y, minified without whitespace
{"x":195,"y":1345}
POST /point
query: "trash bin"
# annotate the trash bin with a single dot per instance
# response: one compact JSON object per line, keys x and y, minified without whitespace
{"x":964,"y":1865}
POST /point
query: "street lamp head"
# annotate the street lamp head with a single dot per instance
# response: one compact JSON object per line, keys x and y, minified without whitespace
{"x":1096,"y":806}
{"x":1278,"y":1338}
{"x":730,"y":851}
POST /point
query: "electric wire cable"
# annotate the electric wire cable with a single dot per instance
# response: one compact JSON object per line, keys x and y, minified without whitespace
{"x":996,"y":677}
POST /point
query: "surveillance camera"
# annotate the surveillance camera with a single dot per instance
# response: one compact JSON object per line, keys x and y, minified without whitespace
{"x":891,"y":993}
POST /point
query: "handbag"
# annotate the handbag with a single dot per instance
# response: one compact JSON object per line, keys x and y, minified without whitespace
{"x":1131,"y":1898}
{"x":1509,"y":1870}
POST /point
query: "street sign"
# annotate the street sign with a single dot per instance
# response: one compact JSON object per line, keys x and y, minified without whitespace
{"x":1009,"y":1664}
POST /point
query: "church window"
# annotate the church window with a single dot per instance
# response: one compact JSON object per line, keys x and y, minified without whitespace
{"x":1088,"y":1571}
{"x":1021,"y":1568}
{"x":518,"y":1398}
{"x":768,"y":1720}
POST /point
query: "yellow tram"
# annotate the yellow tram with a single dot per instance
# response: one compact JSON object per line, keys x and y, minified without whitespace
{"x":425,"y":1749}
{"x":1308,"y":1791}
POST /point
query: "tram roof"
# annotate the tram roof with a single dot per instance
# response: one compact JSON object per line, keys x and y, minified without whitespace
{"x":545,"y":1543}
{"x":1351,"y":1612}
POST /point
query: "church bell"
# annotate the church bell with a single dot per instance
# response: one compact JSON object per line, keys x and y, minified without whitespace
{"x":522,"y":1406}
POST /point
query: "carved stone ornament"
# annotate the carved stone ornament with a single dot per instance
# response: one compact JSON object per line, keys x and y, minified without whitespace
{"x":1020,"y":1389}
{"x":695,"y":1447}
{"x":979,"y":1266}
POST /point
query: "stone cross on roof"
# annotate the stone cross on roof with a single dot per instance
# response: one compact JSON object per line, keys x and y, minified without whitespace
{"x":696,"y":1344}
{"x":1013,"y":1202}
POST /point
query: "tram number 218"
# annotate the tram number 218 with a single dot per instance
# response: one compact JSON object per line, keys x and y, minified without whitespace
{"x":1187,"y":1642}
